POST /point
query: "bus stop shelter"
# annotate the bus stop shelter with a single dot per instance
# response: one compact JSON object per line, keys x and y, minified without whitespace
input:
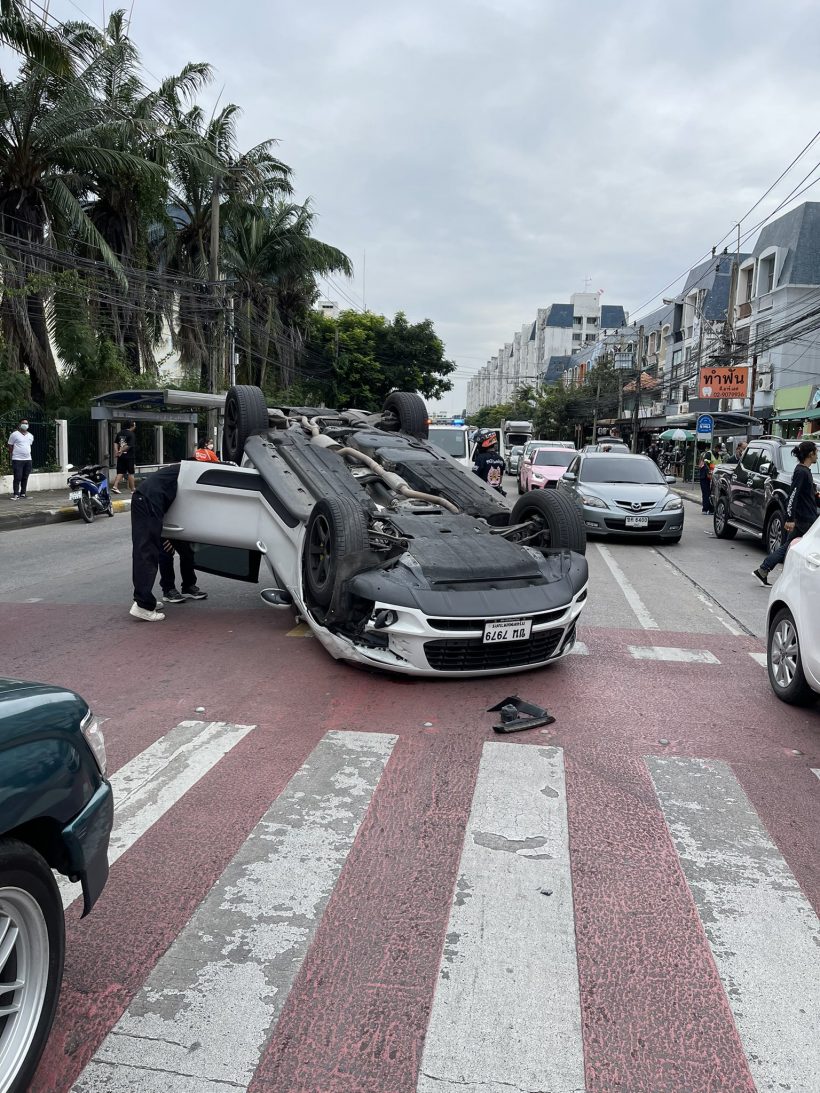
{"x":113,"y":409}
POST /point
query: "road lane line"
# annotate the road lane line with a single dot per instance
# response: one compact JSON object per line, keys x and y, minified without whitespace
{"x":506,"y":1012}
{"x":150,"y":783}
{"x":763,"y":932}
{"x":760,"y":658}
{"x":206,"y":1010}
{"x":711,"y":605}
{"x":817,"y":772}
{"x":632,"y":598}
{"x":672,"y":654}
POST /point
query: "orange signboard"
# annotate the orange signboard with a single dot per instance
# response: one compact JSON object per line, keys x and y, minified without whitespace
{"x":723,"y":382}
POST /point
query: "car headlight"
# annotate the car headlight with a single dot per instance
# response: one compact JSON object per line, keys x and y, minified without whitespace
{"x":538,"y":478}
{"x":92,"y":731}
{"x":591,"y":499}
{"x":673,"y":503}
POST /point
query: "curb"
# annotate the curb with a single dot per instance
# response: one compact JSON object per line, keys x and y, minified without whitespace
{"x":39,"y":517}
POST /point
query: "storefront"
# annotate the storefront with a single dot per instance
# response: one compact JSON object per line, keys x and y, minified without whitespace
{"x":797,"y":410}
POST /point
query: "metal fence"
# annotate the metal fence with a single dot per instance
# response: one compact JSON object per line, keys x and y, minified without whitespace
{"x":44,"y":448}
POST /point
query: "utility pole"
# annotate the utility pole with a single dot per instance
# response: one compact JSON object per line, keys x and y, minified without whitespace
{"x":752,"y":390}
{"x":595,"y":415}
{"x":637,"y":391}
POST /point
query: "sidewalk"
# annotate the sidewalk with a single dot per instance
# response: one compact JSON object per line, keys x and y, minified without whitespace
{"x":47,"y":507}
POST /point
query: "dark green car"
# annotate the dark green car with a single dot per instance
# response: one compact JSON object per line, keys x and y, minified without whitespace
{"x":56,"y":812}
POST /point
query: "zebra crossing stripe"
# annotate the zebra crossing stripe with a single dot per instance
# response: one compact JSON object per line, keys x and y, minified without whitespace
{"x":506,"y":1011}
{"x":672,"y":654}
{"x":147,"y":786}
{"x":763,"y":932}
{"x":206,"y":1010}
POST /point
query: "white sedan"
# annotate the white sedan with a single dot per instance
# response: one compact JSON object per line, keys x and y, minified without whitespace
{"x":793,"y":623}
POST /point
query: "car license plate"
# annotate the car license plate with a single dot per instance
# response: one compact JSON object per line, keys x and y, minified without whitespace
{"x":507,"y":630}
{"x":75,"y":495}
{"x":637,"y":521}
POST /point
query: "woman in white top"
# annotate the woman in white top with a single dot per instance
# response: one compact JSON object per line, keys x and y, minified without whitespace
{"x":20,"y":443}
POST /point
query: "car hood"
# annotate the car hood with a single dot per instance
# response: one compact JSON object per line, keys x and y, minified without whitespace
{"x":37,"y":709}
{"x":552,"y":474}
{"x":627,"y":491}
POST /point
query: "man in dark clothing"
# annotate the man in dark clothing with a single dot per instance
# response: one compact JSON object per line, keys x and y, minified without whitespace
{"x":125,"y":448}
{"x":152,"y":499}
{"x":801,"y":508}
{"x":653,"y":452}
{"x":487,"y":463}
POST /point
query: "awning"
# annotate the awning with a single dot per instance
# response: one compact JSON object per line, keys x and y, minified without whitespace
{"x":798,"y":415}
{"x":669,"y":434}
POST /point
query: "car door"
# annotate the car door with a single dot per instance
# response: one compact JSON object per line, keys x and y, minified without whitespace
{"x":806,"y":606}
{"x":759,"y":479}
{"x":740,"y":486}
{"x":217,"y":509}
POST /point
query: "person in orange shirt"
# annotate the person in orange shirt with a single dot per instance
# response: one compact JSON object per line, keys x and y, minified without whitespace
{"x":205,"y":452}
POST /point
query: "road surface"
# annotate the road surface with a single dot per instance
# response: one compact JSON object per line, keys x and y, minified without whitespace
{"x":327,"y":880}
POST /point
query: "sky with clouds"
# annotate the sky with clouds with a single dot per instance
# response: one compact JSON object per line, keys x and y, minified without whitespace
{"x":488,"y":156}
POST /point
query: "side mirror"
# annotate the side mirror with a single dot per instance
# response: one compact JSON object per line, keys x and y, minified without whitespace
{"x":670,"y":479}
{"x":69,"y":466}
{"x":568,"y":476}
{"x":764,"y":468}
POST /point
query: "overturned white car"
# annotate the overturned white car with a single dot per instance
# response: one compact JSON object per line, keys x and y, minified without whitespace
{"x":395,"y":555}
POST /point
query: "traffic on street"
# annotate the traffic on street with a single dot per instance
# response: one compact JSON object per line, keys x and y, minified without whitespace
{"x":328,"y":878}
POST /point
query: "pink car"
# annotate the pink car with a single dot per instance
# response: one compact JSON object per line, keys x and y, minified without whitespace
{"x":543,"y":467}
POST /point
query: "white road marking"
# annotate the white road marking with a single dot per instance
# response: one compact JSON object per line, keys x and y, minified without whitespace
{"x":506,"y":1012}
{"x":630,"y":594}
{"x":206,"y":1010}
{"x":579,"y":649}
{"x":760,"y":658}
{"x":672,"y":654}
{"x":763,"y":932}
{"x":817,"y":772}
{"x":147,"y":786}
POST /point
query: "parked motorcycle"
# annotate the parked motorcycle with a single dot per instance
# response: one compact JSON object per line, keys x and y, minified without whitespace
{"x":88,"y":489}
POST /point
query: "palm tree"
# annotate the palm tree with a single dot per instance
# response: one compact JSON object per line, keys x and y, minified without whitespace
{"x":55,"y":137}
{"x":271,"y":261}
{"x":200,"y":194}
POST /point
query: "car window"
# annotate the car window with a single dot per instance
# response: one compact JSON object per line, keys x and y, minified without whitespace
{"x":553,"y":457}
{"x":634,"y":469}
{"x":750,"y":460}
{"x":790,"y":462}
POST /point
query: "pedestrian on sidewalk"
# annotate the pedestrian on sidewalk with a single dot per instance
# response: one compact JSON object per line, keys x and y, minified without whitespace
{"x":187,"y":573}
{"x":19,"y":444}
{"x":801,"y":508}
{"x":125,"y":449}
{"x":705,"y":468}
{"x":205,"y":452}
{"x":152,"y":499}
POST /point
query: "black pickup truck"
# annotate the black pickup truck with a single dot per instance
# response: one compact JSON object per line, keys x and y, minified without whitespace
{"x":751,"y":495}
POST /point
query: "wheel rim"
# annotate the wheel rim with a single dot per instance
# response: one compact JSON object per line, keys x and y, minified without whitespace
{"x":775,"y":533}
{"x":785,"y":653}
{"x":231,"y":427}
{"x":24,"y":960}
{"x":320,"y":548}
{"x":720,"y":517}
{"x":88,"y":507}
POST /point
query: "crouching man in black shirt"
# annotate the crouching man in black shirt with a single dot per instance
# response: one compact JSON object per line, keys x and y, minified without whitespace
{"x":149,"y":504}
{"x":488,"y":463}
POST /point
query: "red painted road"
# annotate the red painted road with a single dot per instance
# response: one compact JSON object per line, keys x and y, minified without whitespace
{"x":654,"y":1011}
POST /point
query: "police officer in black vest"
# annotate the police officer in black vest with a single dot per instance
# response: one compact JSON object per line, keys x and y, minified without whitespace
{"x":487,"y":463}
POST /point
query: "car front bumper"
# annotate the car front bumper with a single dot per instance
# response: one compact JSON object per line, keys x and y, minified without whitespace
{"x":667,"y":525}
{"x":417,"y":644}
{"x":86,"y":843}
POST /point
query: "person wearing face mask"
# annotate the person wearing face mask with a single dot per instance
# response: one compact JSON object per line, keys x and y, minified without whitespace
{"x":205,"y":452}
{"x":20,"y":443}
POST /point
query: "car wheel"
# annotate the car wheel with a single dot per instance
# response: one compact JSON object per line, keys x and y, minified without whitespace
{"x":406,"y":412}
{"x":723,"y":529}
{"x":558,"y":516}
{"x":32,"y":949}
{"x":773,"y":532}
{"x":85,"y":507}
{"x":785,"y":663}
{"x":246,"y":414}
{"x":520,"y":491}
{"x":337,"y":527}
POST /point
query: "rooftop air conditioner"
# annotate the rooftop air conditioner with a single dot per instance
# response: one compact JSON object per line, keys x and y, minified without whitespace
{"x":683,"y":407}
{"x":764,"y":383}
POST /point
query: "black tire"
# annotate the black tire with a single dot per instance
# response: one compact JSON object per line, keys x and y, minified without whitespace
{"x":85,"y":507}
{"x":720,"y":521}
{"x":110,"y":509}
{"x":409,"y":413}
{"x":559,"y":517}
{"x":246,"y":414}
{"x":23,"y":869}
{"x":786,"y":675}
{"x":773,"y":531}
{"x":520,"y":491}
{"x":337,"y":527}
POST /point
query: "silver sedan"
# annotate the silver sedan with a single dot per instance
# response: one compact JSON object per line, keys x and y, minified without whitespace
{"x":623,"y":494}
